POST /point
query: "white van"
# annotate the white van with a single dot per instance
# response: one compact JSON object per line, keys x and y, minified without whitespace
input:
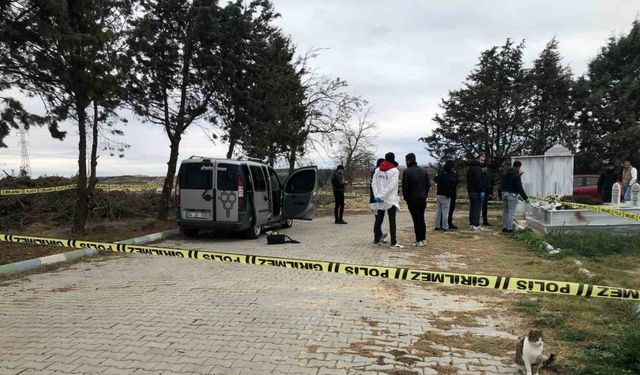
{"x":241,"y":195}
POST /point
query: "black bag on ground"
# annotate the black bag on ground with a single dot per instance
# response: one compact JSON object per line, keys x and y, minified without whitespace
{"x":279,"y":239}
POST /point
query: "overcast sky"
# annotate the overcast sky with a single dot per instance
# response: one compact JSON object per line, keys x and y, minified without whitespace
{"x":402,"y":56}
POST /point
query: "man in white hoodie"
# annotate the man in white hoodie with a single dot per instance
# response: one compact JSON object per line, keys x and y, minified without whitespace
{"x":385,"y":192}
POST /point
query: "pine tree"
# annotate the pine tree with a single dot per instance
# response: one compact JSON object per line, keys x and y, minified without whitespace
{"x":64,"y":52}
{"x":174,"y":52}
{"x":487,"y":115}
{"x":549,"y":116}
{"x":610,"y":114}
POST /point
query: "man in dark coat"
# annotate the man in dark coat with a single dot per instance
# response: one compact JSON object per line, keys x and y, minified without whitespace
{"x":489,"y":183}
{"x":475,"y":188}
{"x":415,"y":189}
{"x":511,"y":189}
{"x":338,"y":184}
{"x":606,"y":181}
{"x":455,"y":179}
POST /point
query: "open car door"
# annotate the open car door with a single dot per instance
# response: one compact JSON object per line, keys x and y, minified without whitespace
{"x":301,"y":190}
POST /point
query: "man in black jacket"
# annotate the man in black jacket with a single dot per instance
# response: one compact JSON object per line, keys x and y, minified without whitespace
{"x":447,"y":183}
{"x":455,"y":178}
{"x":337,"y":183}
{"x":488,"y":180}
{"x":475,"y":187}
{"x":606,"y":181}
{"x":511,"y":188}
{"x":415,"y":189}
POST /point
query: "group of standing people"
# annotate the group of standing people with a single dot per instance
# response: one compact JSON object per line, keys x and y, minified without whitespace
{"x":610,"y":176}
{"x":384,"y":198}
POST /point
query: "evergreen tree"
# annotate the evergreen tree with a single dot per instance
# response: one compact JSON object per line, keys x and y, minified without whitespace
{"x":610,"y":114}
{"x":549,"y":118}
{"x":64,"y":52}
{"x":487,"y":115}
{"x":174,"y":52}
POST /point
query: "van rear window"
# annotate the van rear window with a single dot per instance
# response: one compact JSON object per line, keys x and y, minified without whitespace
{"x":259,"y":181}
{"x":196,"y":176}
{"x":227,"y":177}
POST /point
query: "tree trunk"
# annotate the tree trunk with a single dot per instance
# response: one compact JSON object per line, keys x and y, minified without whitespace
{"x":80,"y":214}
{"x":94,"y":151}
{"x":165,"y":200}
{"x":232,"y":146}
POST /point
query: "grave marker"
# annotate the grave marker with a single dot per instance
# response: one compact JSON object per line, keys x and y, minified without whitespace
{"x":635,"y":195}
{"x":615,"y":193}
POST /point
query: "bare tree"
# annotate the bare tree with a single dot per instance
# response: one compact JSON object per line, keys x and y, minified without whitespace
{"x":326,"y":107}
{"x":356,"y":151}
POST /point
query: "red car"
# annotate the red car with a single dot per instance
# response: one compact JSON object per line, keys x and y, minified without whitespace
{"x":586,"y":184}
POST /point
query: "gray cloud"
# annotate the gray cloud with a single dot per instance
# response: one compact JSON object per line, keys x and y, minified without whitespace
{"x":401,"y":56}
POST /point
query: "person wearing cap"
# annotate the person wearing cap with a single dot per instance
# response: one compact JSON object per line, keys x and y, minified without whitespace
{"x":511,"y":188}
{"x":385,"y":192}
{"x":338,"y":184}
{"x":415,"y":189}
{"x":606,"y":181}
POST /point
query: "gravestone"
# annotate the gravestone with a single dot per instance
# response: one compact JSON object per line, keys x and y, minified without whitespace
{"x":548,"y":174}
{"x":615,"y":193}
{"x":635,"y":195}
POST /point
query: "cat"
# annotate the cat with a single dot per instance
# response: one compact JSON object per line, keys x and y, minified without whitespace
{"x":529,"y":357}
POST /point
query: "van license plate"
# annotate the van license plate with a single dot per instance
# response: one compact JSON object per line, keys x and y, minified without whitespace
{"x":197,"y":215}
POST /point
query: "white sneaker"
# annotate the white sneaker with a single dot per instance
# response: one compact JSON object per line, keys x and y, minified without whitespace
{"x":398,"y":246}
{"x":422,"y":244}
{"x":415,"y":244}
{"x":473,"y":227}
{"x":482,"y":228}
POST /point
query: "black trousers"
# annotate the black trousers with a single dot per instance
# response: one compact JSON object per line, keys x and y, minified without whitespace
{"x":452,"y":207}
{"x":338,"y":211}
{"x":377,"y":227}
{"x":417,"y":208}
{"x":475,"y":208}
{"x":485,"y":208}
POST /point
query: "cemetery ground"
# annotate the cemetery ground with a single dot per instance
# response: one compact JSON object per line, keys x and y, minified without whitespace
{"x":140,"y":314}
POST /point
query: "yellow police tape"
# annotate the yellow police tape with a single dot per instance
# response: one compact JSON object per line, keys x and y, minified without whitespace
{"x":51,"y":189}
{"x":602,"y":209}
{"x":397,"y":273}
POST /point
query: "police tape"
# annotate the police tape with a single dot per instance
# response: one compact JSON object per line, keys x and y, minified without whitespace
{"x":51,"y":189}
{"x":396,"y":273}
{"x":602,"y":209}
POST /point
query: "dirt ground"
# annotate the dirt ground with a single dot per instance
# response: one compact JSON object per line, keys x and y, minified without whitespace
{"x":100,"y":231}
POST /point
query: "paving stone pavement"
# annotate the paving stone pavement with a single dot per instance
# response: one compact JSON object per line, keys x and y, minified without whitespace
{"x":136,"y":314}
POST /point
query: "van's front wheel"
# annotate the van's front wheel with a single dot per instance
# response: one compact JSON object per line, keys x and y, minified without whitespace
{"x":189,"y":232}
{"x":254,"y":231}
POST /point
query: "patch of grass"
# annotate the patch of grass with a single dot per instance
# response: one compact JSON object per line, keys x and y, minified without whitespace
{"x":534,"y":242}
{"x":596,"y":244}
{"x":570,"y":334}
{"x":550,"y":320}
{"x":496,"y":346}
{"x":615,"y":357}
{"x":528,"y":306}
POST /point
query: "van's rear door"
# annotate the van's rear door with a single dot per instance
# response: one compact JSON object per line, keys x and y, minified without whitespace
{"x":227,"y":176}
{"x":196,"y":191}
{"x":301,"y":190}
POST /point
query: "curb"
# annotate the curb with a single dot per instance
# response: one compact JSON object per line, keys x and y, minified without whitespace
{"x":27,"y":265}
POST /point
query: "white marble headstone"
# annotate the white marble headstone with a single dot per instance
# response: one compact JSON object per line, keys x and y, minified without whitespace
{"x":635,"y":195}
{"x":615,"y":193}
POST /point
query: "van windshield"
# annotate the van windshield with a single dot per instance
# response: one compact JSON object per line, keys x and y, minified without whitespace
{"x":196,"y":176}
{"x":227,"y":177}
